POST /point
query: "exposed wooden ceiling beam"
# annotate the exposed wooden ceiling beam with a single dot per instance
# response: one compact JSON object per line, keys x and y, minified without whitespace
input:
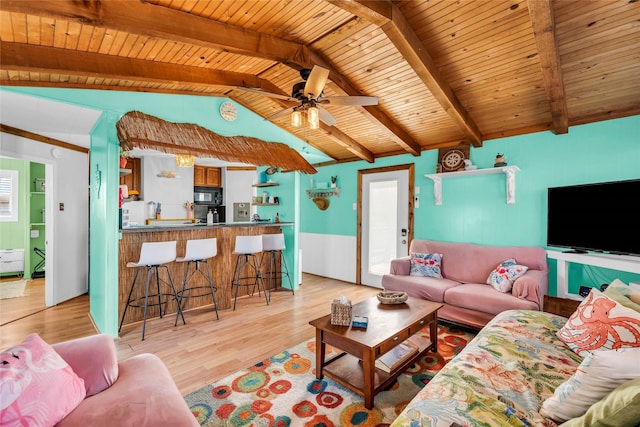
{"x":391,"y":20}
{"x":41,"y":138}
{"x":23,"y":57}
{"x":544,"y":30}
{"x":150,"y":20}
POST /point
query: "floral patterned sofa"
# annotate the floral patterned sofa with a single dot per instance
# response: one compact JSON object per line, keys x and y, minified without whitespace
{"x":518,"y":372}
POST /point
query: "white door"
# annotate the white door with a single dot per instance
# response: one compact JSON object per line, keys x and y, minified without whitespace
{"x":385,"y":223}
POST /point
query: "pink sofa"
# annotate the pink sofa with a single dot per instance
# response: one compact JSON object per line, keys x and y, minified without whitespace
{"x":137,"y":391}
{"x":463,"y":290}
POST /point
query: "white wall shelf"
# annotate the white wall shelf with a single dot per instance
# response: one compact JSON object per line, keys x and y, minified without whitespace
{"x":627,"y":263}
{"x":266,"y":184}
{"x":508,"y":171}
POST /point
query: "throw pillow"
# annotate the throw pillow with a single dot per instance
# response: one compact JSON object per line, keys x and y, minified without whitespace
{"x":38,"y":387}
{"x":427,"y":265}
{"x":621,"y":293}
{"x":505,"y":274}
{"x":620,"y":408}
{"x":599,"y":373}
{"x":600,"y":323}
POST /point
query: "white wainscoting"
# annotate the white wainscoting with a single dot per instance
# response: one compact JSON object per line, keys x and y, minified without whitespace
{"x":329,"y":255}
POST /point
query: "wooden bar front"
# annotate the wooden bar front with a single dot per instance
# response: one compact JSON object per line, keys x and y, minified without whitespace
{"x":221,"y":265}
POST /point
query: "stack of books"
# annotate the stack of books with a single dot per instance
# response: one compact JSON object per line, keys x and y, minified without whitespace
{"x":395,"y":357}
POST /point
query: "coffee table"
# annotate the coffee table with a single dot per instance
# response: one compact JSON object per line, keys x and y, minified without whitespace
{"x":389,"y":325}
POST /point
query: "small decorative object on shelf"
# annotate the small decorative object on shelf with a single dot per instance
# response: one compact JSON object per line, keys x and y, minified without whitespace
{"x":334,"y":180}
{"x":323,"y":192}
{"x":123,"y":158}
{"x":468,"y":166}
{"x":277,"y":217}
{"x":391,"y":297}
{"x":501,"y":160}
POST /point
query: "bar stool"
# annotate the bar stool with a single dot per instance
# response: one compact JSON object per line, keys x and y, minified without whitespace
{"x":198,"y":252}
{"x":247,"y":269}
{"x":153,"y":256}
{"x":272,"y":247}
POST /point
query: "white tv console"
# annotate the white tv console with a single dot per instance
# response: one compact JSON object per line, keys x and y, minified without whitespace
{"x":614,"y":262}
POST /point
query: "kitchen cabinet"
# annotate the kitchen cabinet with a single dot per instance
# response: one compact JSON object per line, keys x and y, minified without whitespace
{"x":204,"y":176}
{"x":132,"y":180}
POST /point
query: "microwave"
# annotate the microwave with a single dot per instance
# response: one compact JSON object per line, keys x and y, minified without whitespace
{"x":207,"y":196}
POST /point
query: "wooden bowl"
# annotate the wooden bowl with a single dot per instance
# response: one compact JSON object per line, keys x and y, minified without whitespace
{"x":392,"y":297}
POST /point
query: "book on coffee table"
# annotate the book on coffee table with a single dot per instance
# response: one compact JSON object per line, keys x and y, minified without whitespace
{"x":395,"y":357}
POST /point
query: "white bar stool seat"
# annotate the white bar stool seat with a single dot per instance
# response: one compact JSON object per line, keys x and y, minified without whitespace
{"x":247,"y":269}
{"x":198,"y":252}
{"x":153,"y":257}
{"x":272,"y":247}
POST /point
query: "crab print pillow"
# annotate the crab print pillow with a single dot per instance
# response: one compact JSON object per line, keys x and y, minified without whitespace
{"x":601,"y":323}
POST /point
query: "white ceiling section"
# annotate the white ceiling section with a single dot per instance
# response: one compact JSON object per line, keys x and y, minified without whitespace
{"x":58,"y":120}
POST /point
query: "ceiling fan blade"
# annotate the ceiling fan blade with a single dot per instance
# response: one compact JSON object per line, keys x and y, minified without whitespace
{"x":326,"y":116}
{"x":279,"y":114}
{"x":316,"y":81}
{"x":350,"y":100}
{"x":269,"y":94}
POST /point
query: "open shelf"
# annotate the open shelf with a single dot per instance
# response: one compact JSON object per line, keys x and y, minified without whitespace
{"x":266,"y":184}
{"x":509,"y":172}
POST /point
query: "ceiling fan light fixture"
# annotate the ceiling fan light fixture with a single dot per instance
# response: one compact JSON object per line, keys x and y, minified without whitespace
{"x":313,"y":118}
{"x":185,"y":160}
{"x":296,"y":119}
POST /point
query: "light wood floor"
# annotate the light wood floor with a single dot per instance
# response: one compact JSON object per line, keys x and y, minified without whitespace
{"x":204,"y":350}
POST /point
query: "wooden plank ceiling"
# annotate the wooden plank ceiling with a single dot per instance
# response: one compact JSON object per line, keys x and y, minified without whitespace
{"x":445,"y":71}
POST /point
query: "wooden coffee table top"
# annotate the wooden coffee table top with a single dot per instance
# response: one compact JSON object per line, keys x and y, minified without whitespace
{"x":385,"y":320}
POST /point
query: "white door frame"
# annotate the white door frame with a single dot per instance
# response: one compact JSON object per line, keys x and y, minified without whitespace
{"x":409,"y":220}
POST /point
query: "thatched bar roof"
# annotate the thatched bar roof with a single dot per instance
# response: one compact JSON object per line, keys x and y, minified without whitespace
{"x":139,"y":130}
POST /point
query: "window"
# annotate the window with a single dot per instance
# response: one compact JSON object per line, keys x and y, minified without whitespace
{"x":8,"y":195}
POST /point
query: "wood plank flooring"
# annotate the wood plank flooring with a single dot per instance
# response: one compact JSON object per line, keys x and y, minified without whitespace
{"x":204,"y":350}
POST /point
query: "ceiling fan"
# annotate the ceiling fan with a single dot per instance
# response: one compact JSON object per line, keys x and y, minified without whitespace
{"x":309,"y":94}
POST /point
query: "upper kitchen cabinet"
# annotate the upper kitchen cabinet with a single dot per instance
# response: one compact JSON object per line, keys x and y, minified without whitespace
{"x":133,"y":180}
{"x":207,"y":176}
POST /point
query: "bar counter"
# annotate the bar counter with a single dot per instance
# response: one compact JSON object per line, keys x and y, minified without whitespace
{"x":221,"y":265}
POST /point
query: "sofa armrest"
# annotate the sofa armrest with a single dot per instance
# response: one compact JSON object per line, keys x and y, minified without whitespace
{"x":93,"y":359}
{"x":532,"y":286}
{"x":400,"y":266}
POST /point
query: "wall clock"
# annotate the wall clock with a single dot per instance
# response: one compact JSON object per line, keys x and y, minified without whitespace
{"x":228,"y":111}
{"x":452,"y":159}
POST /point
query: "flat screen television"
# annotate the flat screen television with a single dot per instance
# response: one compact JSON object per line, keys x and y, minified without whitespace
{"x":601,"y":217}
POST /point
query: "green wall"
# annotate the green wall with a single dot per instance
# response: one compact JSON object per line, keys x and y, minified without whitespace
{"x":15,"y":235}
{"x":474,"y":208}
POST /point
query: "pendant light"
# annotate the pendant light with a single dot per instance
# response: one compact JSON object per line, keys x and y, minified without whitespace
{"x":313,"y":118}
{"x":296,"y":119}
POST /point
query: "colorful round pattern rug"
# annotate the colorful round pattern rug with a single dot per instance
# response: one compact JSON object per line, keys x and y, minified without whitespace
{"x":282,"y":391}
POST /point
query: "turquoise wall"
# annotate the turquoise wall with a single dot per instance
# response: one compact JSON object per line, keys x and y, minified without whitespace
{"x":474,"y":209}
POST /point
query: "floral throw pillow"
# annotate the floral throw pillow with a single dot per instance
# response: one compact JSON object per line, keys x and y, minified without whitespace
{"x":600,"y":323}
{"x":427,"y":265}
{"x":38,"y":387}
{"x":505,"y":274}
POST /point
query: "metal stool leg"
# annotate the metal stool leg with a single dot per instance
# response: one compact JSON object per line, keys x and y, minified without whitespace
{"x":135,"y":277}
{"x":213,"y":288}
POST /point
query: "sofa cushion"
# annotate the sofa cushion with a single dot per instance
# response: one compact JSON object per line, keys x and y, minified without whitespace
{"x":426,"y":288}
{"x":38,"y":387}
{"x":484,"y":298}
{"x":144,"y":395}
{"x":472,"y":263}
{"x":503,"y":276}
{"x":426,"y":265}
{"x":599,"y":373}
{"x":600,"y":323}
{"x":623,"y":294}
{"x":93,"y":359}
{"x":620,"y":408}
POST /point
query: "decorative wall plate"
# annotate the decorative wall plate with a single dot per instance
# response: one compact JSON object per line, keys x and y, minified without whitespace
{"x":452,"y":159}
